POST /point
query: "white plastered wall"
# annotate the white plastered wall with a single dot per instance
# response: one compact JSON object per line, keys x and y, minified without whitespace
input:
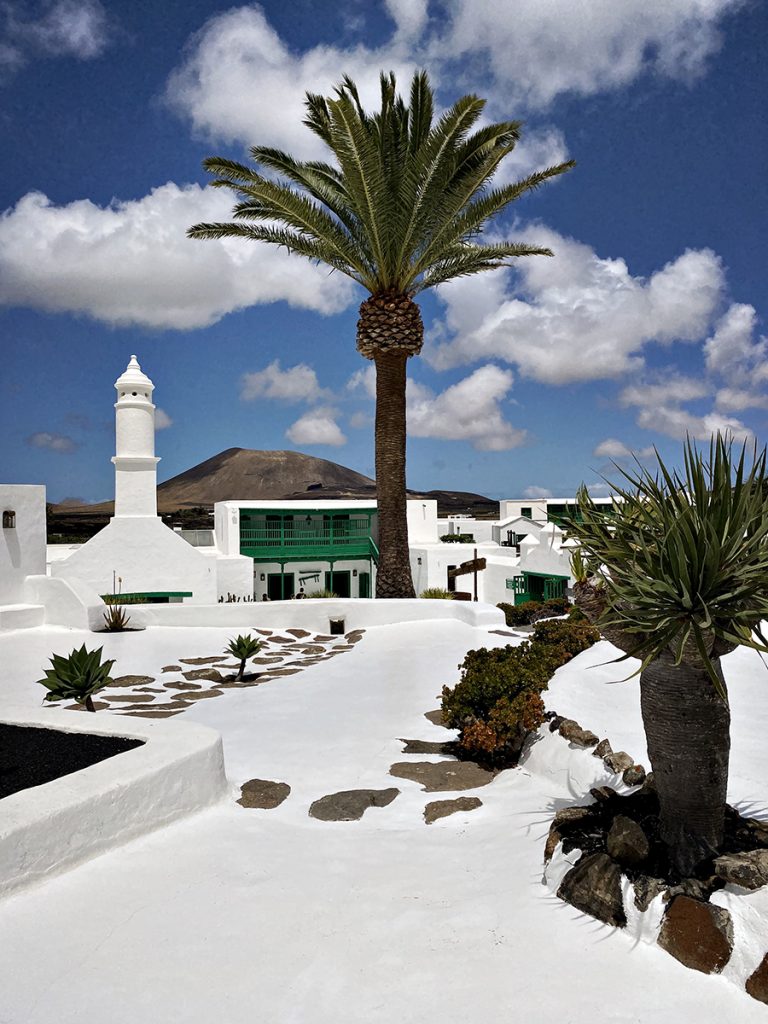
{"x":22,"y":549}
{"x":147,"y":555}
{"x":422,"y":521}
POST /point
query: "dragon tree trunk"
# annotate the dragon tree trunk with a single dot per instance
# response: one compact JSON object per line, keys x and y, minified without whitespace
{"x":687,"y":726}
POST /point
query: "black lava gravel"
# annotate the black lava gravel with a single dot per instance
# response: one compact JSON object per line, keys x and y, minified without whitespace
{"x":31,"y":757}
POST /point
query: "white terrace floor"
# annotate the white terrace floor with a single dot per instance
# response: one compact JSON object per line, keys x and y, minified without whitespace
{"x":238,"y":915}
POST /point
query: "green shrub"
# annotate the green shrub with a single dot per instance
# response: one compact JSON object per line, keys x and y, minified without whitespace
{"x":557,"y":605}
{"x":497,"y":701}
{"x":436,"y":594}
{"x":573,"y":637}
{"x":577,"y":615}
{"x":243,"y":648}
{"x":520,"y":614}
{"x":77,"y":677}
{"x":458,"y":538}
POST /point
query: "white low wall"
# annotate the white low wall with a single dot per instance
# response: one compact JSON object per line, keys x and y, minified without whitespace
{"x":45,"y":829}
{"x":315,"y":614}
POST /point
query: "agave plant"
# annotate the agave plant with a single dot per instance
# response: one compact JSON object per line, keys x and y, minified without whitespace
{"x":77,"y":677}
{"x":676,"y":574}
{"x":243,"y":648}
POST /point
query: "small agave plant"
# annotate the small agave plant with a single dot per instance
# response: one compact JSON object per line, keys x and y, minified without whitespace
{"x":243,"y":648}
{"x":77,"y":677}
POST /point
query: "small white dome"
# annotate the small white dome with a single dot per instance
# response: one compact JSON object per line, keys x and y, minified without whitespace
{"x":134,"y":380}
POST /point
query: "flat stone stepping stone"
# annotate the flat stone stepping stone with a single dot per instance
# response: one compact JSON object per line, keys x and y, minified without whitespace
{"x":323,"y":638}
{"x":149,"y":689}
{"x":202,"y":694}
{"x":99,"y":705}
{"x":283,"y":640}
{"x":342,"y":647}
{"x":133,"y":698}
{"x":182,"y":686}
{"x":442,"y":808}
{"x":211,"y":674}
{"x":350,"y":804}
{"x":171,"y":668}
{"x":442,"y":776}
{"x":263,"y":794}
{"x":426,"y":747}
{"x":285,"y":671}
{"x":435,"y":717}
{"x":132,"y":681}
{"x":269,"y":659}
{"x":264,"y":632}
{"x":203,"y":661}
{"x":299,"y":632}
{"x":150,"y":714}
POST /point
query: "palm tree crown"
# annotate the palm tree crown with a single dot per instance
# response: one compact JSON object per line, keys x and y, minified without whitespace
{"x":403,"y":209}
{"x":400,"y":211}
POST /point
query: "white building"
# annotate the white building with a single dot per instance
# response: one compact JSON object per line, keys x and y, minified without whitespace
{"x":308,"y":545}
{"x":136,"y":548}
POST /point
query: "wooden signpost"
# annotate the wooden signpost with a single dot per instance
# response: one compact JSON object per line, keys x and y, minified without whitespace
{"x":475,"y":566}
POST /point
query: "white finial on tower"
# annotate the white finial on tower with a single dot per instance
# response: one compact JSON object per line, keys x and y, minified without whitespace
{"x":135,"y":461}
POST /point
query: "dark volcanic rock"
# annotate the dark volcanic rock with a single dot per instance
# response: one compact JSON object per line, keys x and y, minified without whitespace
{"x":171,"y":668}
{"x":350,"y":804}
{"x":699,"y":935}
{"x":634,"y":776}
{"x":573,"y":732}
{"x":426,"y":747}
{"x":757,"y":982}
{"x":556,"y":722}
{"x":602,"y":748}
{"x":594,"y":886}
{"x":618,"y":762}
{"x":646,"y":891}
{"x":211,"y":674}
{"x":132,"y":681}
{"x":626,"y":842}
{"x":203,"y":661}
{"x":435,"y":717}
{"x":442,"y":776}
{"x":442,"y":808}
{"x":749,"y":870}
{"x":263,"y":793}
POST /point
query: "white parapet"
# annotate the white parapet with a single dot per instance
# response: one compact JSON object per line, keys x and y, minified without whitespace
{"x":179,"y":769}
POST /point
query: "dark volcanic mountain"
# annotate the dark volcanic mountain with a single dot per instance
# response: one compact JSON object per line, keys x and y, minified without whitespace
{"x":242,"y":473}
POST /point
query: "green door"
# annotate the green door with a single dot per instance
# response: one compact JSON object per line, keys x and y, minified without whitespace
{"x":280,"y":586}
{"x":338,"y":582}
{"x":364,"y":585}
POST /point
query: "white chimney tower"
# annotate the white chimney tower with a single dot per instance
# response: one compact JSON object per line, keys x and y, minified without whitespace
{"x":134,"y":459}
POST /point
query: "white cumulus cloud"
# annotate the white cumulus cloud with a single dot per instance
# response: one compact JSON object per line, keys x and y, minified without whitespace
{"x":467,"y":411}
{"x":241,"y":81}
{"x":60,"y":443}
{"x":542,"y":50}
{"x":577,"y":315}
{"x":537,"y":492}
{"x":131,"y":262}
{"x":318,"y":426}
{"x":293,"y":384}
{"x":162,"y":419}
{"x":611,"y":448}
{"x":660,"y":408}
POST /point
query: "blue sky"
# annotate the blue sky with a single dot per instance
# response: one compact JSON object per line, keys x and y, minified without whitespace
{"x":647,"y":324}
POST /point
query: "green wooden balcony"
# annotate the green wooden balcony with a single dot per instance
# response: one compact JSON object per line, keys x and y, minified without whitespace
{"x":282,"y":538}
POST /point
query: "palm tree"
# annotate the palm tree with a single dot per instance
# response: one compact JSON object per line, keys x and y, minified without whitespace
{"x":676,"y":574}
{"x":400,"y":211}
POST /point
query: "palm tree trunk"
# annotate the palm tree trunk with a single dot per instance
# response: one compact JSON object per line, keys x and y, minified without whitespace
{"x":393,"y":578}
{"x":687,"y":726}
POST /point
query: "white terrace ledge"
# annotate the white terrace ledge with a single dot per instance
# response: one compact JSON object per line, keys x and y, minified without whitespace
{"x":316,"y":613}
{"x":179,"y":769}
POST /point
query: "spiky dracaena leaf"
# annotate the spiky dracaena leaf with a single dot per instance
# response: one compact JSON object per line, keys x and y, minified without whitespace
{"x":682,"y":555}
{"x":77,"y":676}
